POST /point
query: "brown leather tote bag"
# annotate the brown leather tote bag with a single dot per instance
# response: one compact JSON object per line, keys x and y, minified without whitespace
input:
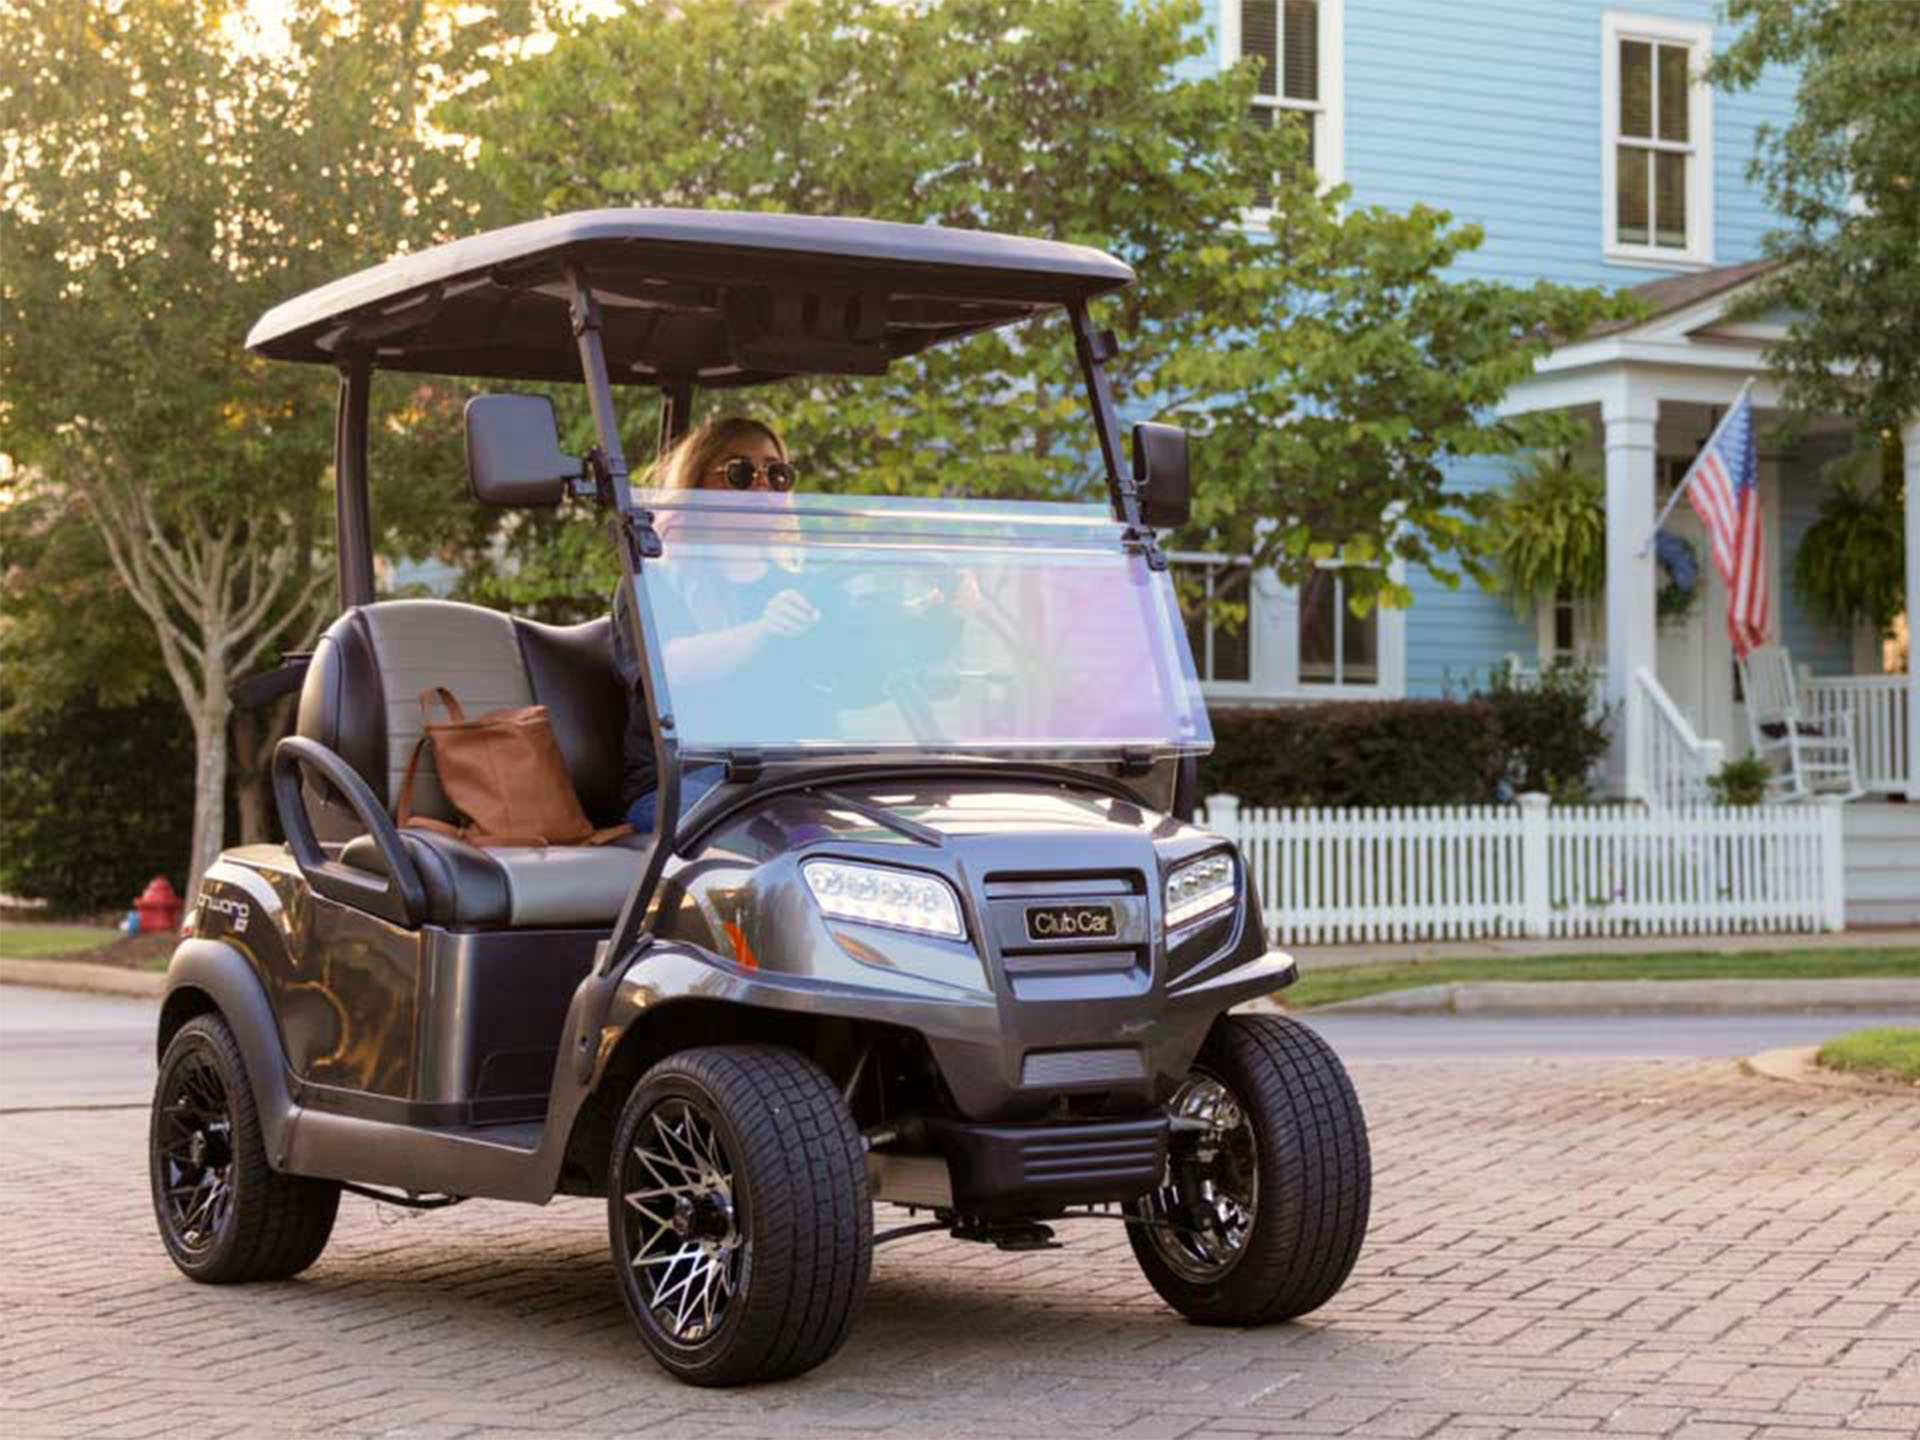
{"x":503,"y":774}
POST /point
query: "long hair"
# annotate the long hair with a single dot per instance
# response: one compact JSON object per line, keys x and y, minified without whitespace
{"x":701,"y":448}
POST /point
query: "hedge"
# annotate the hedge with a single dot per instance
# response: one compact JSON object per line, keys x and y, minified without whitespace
{"x":1376,"y":752}
{"x":94,"y":802}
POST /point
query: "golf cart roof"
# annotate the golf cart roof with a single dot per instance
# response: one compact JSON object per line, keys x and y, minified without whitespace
{"x":701,"y":297}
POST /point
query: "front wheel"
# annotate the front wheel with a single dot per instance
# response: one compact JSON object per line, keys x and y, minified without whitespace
{"x":1269,"y":1181}
{"x":739,"y":1214}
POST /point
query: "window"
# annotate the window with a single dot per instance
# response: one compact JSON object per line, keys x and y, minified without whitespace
{"x":1220,"y":651}
{"x":1658,"y":130}
{"x":1296,"y":44}
{"x":1337,"y":647}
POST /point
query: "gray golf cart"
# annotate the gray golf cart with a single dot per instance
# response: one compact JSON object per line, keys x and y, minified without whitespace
{"x":937,"y":931}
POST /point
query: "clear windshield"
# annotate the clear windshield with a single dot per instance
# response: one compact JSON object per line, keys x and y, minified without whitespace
{"x":859,"y":624}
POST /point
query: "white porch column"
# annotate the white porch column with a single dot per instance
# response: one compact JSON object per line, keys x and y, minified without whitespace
{"x":1628,"y":414}
{"x":1910,"y":439}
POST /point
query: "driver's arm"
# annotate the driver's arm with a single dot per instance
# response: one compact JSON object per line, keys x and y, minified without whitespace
{"x":716,"y":654}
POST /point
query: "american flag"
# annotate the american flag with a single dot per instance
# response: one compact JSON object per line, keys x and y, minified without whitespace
{"x":1723,"y":486}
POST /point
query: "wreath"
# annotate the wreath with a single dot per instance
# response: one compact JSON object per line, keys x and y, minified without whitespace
{"x":1679,"y":577}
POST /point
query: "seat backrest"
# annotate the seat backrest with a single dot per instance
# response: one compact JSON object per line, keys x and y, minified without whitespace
{"x":1767,"y":683}
{"x":361,"y":698}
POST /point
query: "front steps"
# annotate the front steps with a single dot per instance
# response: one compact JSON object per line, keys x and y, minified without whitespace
{"x":1882,"y":849}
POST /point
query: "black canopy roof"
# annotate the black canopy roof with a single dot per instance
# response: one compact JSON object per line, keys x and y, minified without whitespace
{"x":714,"y":298}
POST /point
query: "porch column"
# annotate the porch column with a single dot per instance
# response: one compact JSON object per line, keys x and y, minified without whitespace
{"x":1628,"y":414}
{"x":1910,"y":441}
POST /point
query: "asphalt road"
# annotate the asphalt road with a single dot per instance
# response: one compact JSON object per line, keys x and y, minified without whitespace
{"x":60,"y":1050}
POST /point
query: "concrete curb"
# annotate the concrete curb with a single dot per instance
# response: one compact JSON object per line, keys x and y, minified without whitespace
{"x":1333,"y":957}
{"x":1796,"y":1066}
{"x":78,"y":975}
{"x":1539,"y":997}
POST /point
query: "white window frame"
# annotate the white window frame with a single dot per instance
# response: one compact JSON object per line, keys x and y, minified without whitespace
{"x":1273,"y":645}
{"x":1340,"y":689}
{"x":1616,"y":26}
{"x":1329,"y":133}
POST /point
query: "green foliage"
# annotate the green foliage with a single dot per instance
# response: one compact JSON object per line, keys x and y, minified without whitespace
{"x":1331,"y":367}
{"x":1551,"y":731}
{"x":95,"y":800}
{"x":1740,"y":782}
{"x":1851,"y":564}
{"x":1549,"y":531}
{"x":1888,"y":1052}
{"x":1345,"y":753}
{"x":1843,"y":176}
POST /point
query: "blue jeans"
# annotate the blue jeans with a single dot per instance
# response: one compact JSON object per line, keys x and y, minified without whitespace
{"x":694,"y":783}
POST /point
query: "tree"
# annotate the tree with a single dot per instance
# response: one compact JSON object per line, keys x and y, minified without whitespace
{"x":1331,"y":365}
{"x":169,"y":170}
{"x":1844,"y":175}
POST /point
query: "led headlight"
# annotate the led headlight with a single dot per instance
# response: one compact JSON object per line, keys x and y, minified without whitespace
{"x":1200,"y":887}
{"x":877,"y":895}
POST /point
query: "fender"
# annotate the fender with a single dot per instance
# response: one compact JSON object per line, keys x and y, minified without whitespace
{"x":227,"y":979}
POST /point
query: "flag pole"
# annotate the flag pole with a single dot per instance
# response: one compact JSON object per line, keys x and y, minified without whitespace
{"x":1687,"y":482}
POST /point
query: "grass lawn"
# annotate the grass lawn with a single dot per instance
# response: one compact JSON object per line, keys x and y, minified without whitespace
{"x":1892,"y":1053}
{"x":1350,"y":982}
{"x":39,"y":942}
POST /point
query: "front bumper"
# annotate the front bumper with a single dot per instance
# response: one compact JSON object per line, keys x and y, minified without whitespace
{"x":1006,"y":1170}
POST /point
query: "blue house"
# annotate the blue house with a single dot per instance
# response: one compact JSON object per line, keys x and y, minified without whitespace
{"x":1581,"y":137}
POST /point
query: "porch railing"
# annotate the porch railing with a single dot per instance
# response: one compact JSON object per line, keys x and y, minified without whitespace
{"x":1534,"y":869}
{"x":1876,"y":706}
{"x":1676,"y":761}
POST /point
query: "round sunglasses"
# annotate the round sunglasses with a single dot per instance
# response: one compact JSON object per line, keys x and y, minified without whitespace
{"x":741,"y":473}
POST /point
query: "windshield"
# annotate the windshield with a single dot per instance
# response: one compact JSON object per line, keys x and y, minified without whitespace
{"x":820,"y":624}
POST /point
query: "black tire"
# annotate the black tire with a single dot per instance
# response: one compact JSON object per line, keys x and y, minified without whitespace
{"x":1312,"y":1174}
{"x":225,"y":1215}
{"x":781,"y":1250}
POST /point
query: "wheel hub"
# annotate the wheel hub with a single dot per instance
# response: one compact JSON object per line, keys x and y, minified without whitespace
{"x":1201,"y":1217}
{"x":682,"y":1231}
{"x":706,"y":1215}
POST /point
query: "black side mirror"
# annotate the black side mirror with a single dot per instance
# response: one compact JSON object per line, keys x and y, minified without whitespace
{"x":1160,"y":474}
{"x":513,"y":452}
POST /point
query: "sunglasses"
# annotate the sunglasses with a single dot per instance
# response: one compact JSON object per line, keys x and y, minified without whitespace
{"x":741,"y":473}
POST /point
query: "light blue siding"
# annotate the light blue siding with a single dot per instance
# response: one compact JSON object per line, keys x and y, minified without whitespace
{"x":1454,"y":636}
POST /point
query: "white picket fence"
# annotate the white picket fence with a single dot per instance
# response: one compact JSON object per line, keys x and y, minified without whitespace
{"x":1876,"y":709}
{"x":1532,"y":869}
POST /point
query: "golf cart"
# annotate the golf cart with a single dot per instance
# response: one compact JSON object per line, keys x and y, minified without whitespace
{"x":937,"y":930}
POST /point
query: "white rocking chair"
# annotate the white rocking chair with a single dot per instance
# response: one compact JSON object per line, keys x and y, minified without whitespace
{"x":1808,"y":759}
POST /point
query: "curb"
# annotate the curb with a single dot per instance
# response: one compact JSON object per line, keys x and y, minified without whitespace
{"x":1796,"y":1066}
{"x":90,"y":979}
{"x":1587,"y":997}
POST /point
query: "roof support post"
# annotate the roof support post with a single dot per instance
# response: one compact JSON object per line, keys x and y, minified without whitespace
{"x":352,"y":525}
{"x":634,"y":539}
{"x":1094,"y":348}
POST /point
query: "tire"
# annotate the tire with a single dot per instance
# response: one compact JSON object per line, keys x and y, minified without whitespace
{"x":225,"y":1215}
{"x":739,"y":1214}
{"x":1302,"y":1142}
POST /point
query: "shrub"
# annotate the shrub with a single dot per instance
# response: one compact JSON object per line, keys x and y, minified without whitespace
{"x":1389,"y":752}
{"x":94,"y":802}
{"x":1552,"y":732}
{"x":1740,"y":782}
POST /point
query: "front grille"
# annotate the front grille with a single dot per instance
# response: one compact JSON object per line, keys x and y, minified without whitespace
{"x":1066,"y":1069}
{"x":1110,"y":959}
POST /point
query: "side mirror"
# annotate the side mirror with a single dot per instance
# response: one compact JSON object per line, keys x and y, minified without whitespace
{"x":513,"y":451}
{"x":1160,"y":473}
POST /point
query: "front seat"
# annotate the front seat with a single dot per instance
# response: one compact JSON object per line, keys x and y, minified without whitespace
{"x":361,"y":700}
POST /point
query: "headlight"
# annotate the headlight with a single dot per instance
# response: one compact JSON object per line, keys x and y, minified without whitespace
{"x":877,"y":895}
{"x":1200,"y":887}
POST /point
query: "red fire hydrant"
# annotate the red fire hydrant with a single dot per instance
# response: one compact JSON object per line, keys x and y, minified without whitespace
{"x":158,"y":906}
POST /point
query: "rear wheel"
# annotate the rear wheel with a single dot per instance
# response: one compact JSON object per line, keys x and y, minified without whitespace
{"x":739,"y":1214}
{"x":225,"y":1215}
{"x":1269,"y":1186}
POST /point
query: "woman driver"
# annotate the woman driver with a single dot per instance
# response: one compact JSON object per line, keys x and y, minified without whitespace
{"x":728,"y":453}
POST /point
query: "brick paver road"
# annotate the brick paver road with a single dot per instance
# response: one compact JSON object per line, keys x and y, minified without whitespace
{"x":1601,"y":1248}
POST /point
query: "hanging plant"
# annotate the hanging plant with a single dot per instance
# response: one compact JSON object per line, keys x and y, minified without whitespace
{"x":1679,"y":577}
{"x":1851,"y":566}
{"x":1549,"y":533}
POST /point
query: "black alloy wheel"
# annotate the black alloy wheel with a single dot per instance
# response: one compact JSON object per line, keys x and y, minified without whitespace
{"x":1269,"y":1183}
{"x":739,"y":1214}
{"x":225,"y":1215}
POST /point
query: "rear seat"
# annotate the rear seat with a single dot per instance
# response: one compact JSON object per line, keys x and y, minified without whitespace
{"x":361,"y":700}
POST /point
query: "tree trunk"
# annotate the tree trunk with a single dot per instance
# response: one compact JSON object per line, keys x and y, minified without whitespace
{"x":209,"y":787}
